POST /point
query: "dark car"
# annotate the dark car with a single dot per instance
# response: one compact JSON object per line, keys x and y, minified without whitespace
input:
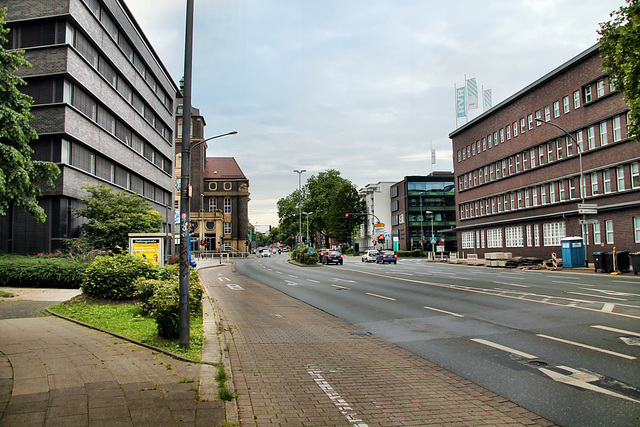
{"x":332,"y":257}
{"x":321,"y":253}
{"x":387,"y":256}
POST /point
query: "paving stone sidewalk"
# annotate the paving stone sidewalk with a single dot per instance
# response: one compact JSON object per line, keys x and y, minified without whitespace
{"x":294,"y":365}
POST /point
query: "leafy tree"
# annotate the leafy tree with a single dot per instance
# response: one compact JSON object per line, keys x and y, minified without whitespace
{"x":113,"y":215}
{"x":620,"y":51}
{"x":21,"y":178}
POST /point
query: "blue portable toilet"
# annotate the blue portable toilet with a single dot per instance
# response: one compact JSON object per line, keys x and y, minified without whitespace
{"x":572,"y":252}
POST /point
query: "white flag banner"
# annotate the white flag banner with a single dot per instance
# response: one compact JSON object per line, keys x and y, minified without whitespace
{"x":460,"y":104}
{"x":486,"y":97}
{"x":433,"y":156}
{"x":472,"y":94}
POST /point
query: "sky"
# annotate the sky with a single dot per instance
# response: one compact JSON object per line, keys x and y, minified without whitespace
{"x":365,"y":87}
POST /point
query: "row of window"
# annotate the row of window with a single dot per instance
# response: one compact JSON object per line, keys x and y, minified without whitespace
{"x":81,"y":157}
{"x":599,"y":182}
{"x":546,"y":153}
{"x":121,"y":40}
{"x":213,"y":205}
{"x":524,"y":125}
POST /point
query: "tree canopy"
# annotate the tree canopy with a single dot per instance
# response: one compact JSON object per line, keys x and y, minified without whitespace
{"x":113,"y":215}
{"x":327,"y":197}
{"x":620,"y":52}
{"x":21,"y":177}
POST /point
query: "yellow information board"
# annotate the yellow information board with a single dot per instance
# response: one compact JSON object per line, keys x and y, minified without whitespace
{"x":147,"y":248}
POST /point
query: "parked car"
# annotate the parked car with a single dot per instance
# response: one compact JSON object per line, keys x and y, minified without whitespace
{"x":387,"y":256}
{"x":332,"y":257}
{"x":369,"y":256}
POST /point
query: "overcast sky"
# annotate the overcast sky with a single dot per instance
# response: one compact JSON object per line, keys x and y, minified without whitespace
{"x":361,"y":86}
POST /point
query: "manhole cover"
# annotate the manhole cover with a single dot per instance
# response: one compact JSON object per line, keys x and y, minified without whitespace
{"x":537,"y":363}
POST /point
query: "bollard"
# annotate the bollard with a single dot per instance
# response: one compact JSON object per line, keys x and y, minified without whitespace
{"x":554,"y":260}
{"x":615,"y":264}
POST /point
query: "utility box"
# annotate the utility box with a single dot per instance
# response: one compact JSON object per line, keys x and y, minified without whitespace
{"x":572,"y":252}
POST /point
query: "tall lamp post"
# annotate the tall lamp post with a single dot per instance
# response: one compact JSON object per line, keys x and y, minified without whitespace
{"x":433,"y":252}
{"x":583,"y":227}
{"x":299,"y":172}
{"x":421,"y":228}
{"x":307,"y":214}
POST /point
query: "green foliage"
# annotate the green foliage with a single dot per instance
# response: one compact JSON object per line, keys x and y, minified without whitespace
{"x":620,"y":52}
{"x":303,"y":257}
{"x":44,"y":271}
{"x":416,"y":253}
{"x":113,"y":215}
{"x":21,"y":178}
{"x":113,"y":277}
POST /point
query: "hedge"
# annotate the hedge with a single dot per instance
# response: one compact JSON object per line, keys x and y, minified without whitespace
{"x":113,"y":277}
{"x":41,"y":272}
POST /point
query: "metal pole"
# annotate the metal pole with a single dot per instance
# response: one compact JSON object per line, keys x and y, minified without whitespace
{"x":298,"y":243}
{"x":421,"y":228}
{"x":185,"y":261}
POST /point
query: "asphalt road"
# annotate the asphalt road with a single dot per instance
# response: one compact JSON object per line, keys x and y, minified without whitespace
{"x":563,"y":345}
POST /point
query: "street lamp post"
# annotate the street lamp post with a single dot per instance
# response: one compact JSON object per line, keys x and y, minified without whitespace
{"x":421,"y":228}
{"x":307,"y":214}
{"x":583,"y":227}
{"x":433,"y":252}
{"x":299,"y":172}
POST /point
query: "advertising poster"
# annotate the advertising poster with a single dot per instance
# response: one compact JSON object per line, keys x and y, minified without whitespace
{"x":148,"y":248}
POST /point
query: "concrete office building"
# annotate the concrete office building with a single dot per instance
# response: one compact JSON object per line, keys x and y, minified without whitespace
{"x":376,"y":198}
{"x":518,"y":178}
{"x":103,"y":109}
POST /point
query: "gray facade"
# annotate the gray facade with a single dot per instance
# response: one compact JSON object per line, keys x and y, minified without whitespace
{"x":104,"y":110}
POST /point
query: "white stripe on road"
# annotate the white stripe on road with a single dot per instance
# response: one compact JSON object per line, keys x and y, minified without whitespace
{"x":589,"y":347}
{"x":512,"y":284}
{"x":314,"y":281}
{"x":597,"y":296}
{"x":504,"y":348}
{"x":235,"y":287}
{"x":381,"y":296}
{"x":340,"y":287}
{"x":608,"y":307}
{"x":618,"y":331}
{"x":443,"y":311}
{"x":341,"y":404}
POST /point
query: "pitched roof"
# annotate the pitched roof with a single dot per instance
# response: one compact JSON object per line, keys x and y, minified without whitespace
{"x":223,"y":168}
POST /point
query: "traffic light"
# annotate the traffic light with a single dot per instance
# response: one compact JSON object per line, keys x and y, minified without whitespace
{"x":203,"y":242}
{"x":381,"y":239}
{"x":346,"y":216}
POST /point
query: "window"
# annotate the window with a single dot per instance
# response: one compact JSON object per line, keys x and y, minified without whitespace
{"x":530,"y":121}
{"x":572,"y":188}
{"x":513,"y":237}
{"x":525,"y":160}
{"x":591,"y":137}
{"x":512,"y":200}
{"x":547,"y":113}
{"x":227,"y":228}
{"x":579,"y":145}
{"x":597,"y":238}
{"x":603,"y":133}
{"x":519,"y":199}
{"x":608,"y":229}
{"x":501,"y":135}
{"x":529,"y":236}
{"x":459,"y":156}
{"x":515,"y":129}
{"x":468,"y":241}
{"x":541,"y":154}
{"x":635,"y":175}
{"x":559,"y":153}
{"x":569,"y":146}
{"x":517,"y":162}
{"x":636,"y":229}
{"x":494,"y":238}
{"x":594,"y":183}
{"x":620,"y":177}
{"x":536,"y":234}
{"x":484,"y":145}
{"x":504,"y":168}
{"x":497,"y":170}
{"x":550,"y":152}
{"x":552,"y":233}
{"x":606,"y":179}
{"x":543,"y":194}
{"x":84,"y":103}
{"x":587,"y":94}
{"x":556,"y":109}
{"x":576,"y":100}
{"x":532,"y":157}
{"x":491,"y":173}
{"x":552,"y":192}
{"x":538,"y":116}
{"x":495,"y":141}
{"x":510,"y":165}
{"x":508,"y":133}
{"x":526,"y":198}
{"x":617,"y":129}
{"x":86,"y":49}
{"x":227,"y":205}
{"x":535,"y":196}
{"x":523,"y":125}
{"x":473,"y":149}
{"x":561,"y":188}
{"x":213,"y":204}
{"x":600,"y":88}
{"x":565,"y":104}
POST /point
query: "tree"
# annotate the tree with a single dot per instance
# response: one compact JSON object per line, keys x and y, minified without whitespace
{"x":113,"y":215}
{"x":21,"y":178}
{"x":620,"y":52}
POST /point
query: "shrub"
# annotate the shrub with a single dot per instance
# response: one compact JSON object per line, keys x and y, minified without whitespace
{"x":45,"y":271}
{"x":113,"y":277}
{"x":348,"y":251}
{"x":303,"y":257}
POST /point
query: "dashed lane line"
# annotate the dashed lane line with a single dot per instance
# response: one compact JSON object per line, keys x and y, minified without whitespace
{"x":381,"y":296}
{"x":589,"y":347}
{"x":443,"y":311}
{"x":597,"y":296}
{"x":616,"y":330}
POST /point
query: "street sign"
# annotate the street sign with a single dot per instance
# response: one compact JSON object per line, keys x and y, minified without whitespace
{"x":587,"y":208}
{"x":433,"y":240}
{"x":589,"y":221}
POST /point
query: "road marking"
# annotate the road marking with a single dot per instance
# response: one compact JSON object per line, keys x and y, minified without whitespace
{"x":568,"y":283}
{"x":597,"y":296}
{"x":619,"y":331}
{"x":222,"y":279}
{"x":341,"y":287}
{"x":341,"y":404}
{"x":279,"y":272}
{"x":335,"y":279}
{"x":608,"y":307}
{"x":504,"y":348}
{"x":443,"y":311}
{"x":235,"y":287}
{"x":589,"y":347}
{"x":314,"y":281}
{"x":512,"y":284}
{"x":625,"y":281}
{"x":616,"y":293}
{"x":291,"y":275}
{"x":406,"y":274}
{"x":381,"y":296}
{"x":290,"y":283}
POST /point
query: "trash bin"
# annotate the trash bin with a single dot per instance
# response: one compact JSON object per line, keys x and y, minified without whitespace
{"x":598,"y":261}
{"x":572,"y":252}
{"x":635,"y":262}
{"x":622,"y":260}
{"x":608,"y":262}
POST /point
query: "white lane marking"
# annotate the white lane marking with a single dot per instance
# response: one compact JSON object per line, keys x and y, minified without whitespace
{"x":625,"y":281}
{"x":335,"y":279}
{"x":222,"y":279}
{"x":279,"y":272}
{"x":597,"y":296}
{"x":608,"y":307}
{"x":406,"y":274}
{"x":589,"y":347}
{"x":618,"y":331}
{"x":616,"y":293}
{"x":512,"y":284}
{"x":291,"y":275}
{"x":443,"y":311}
{"x":381,"y":296}
{"x":314,"y":281}
{"x":504,"y":348}
{"x":341,"y":404}
{"x":340,"y":287}
{"x":235,"y":287}
{"x":290,"y":283}
{"x":568,"y":283}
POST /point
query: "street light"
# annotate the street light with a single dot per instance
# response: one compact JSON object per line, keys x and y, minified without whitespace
{"x":307,"y":214}
{"x":299,"y":172}
{"x":583,"y":227}
{"x":433,"y":252}
{"x":421,"y":229}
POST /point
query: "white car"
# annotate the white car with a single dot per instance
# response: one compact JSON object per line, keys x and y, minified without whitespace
{"x":369,"y":256}
{"x":265,"y":253}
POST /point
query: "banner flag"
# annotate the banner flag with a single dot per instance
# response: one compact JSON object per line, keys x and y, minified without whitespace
{"x":433,"y":156}
{"x":472,"y":94}
{"x":486,"y":96}
{"x":460,"y":102}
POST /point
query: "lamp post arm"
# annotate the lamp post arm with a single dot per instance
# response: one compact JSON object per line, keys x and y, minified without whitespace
{"x":209,"y":139}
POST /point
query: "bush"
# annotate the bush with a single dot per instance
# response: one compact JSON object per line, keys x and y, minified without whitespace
{"x":348,"y":251}
{"x":113,"y":277}
{"x":303,"y":257}
{"x":416,"y":253}
{"x":50,"y":271}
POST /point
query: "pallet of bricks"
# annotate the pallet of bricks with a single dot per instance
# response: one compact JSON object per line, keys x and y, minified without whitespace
{"x":497,"y":259}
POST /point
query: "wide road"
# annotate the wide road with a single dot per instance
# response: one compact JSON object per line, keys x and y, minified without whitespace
{"x":564,"y":345}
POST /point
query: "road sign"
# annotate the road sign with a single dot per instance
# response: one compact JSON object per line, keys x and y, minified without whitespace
{"x":587,"y":208}
{"x":589,"y":221}
{"x":433,"y":240}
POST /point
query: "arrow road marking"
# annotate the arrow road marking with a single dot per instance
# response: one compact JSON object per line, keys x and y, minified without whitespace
{"x":235,"y":287}
{"x":222,"y":279}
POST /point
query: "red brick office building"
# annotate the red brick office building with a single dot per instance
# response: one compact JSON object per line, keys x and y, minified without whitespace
{"x":518,"y":179}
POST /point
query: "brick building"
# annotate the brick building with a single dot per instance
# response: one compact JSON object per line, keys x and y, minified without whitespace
{"x":518,"y":178}
{"x":103,"y":109}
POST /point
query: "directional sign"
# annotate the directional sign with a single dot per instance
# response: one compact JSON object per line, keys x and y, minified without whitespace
{"x":587,"y":208}
{"x":589,"y":221}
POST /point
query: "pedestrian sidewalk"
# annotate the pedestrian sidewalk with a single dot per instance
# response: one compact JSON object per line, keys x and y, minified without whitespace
{"x":294,"y":365}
